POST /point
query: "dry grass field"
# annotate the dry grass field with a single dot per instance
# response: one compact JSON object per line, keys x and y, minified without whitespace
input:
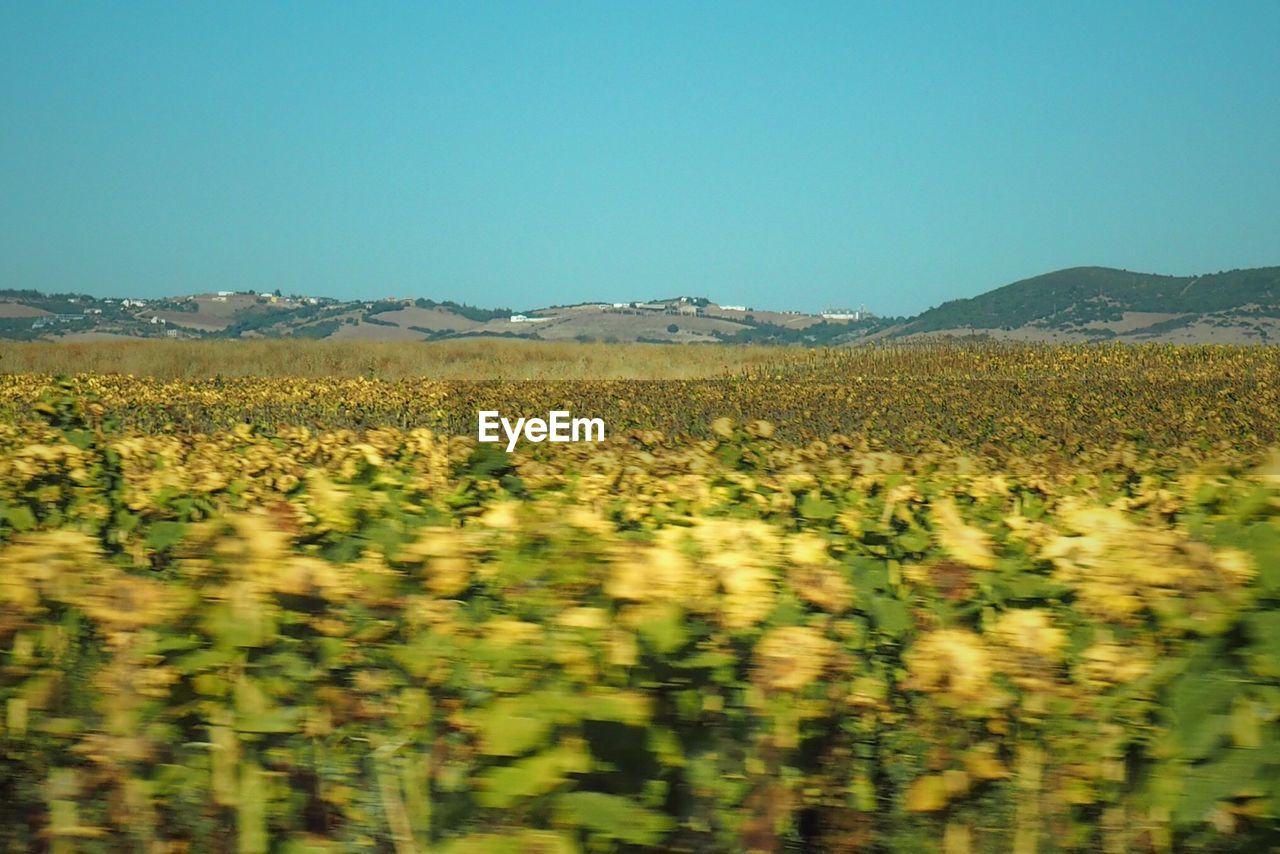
{"x":486,"y":359}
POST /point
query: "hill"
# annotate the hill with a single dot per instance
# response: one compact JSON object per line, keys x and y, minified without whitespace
{"x":1077,"y":304}
{"x":29,"y":316}
{"x":1100,"y":302}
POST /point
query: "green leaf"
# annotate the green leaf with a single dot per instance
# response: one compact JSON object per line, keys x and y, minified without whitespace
{"x":612,"y":817}
{"x":708,"y":660}
{"x":870,"y":576}
{"x":306,"y":844}
{"x":729,"y":454}
{"x":815,"y":508}
{"x":272,"y":721}
{"x":487,"y":461}
{"x":1264,"y":629}
{"x":1262,"y":542}
{"x":513,"y":726}
{"x":82,"y":439}
{"x":20,"y":518}
{"x":890,"y":615}
{"x":1234,"y":775}
{"x":205,"y":659}
{"x":665,"y":632}
{"x":624,"y":707}
{"x":914,"y":540}
{"x":1195,"y":701}
{"x":525,"y":842}
{"x":231,"y":629}
{"x":126,"y":521}
{"x":165,"y":535}
{"x":536,"y":775}
{"x":1201,"y":740}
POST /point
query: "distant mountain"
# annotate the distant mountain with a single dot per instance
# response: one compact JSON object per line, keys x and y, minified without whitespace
{"x":1099,"y":302}
{"x":1079,"y":304}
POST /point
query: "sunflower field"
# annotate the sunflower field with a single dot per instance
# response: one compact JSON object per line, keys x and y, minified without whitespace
{"x":957,"y":599}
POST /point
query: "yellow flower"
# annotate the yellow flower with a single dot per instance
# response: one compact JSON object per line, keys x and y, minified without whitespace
{"x":808,"y":548}
{"x":963,"y":542}
{"x":811,"y":575}
{"x":1109,"y":663}
{"x":501,"y":516}
{"x":1030,"y":629}
{"x":660,"y":572}
{"x":789,"y":658}
{"x":507,"y":632}
{"x":584,"y":618}
{"x":953,"y":663}
{"x":1236,"y":565}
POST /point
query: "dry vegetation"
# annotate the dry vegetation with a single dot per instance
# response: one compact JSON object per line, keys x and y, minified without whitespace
{"x":484,"y":359}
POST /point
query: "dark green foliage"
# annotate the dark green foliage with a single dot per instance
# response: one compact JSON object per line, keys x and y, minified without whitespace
{"x":323,"y":329}
{"x":470,"y":312}
{"x":1086,"y":294}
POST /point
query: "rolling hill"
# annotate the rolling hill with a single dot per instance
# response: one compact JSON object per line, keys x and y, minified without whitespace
{"x":1076,"y":304}
{"x":1100,"y":302}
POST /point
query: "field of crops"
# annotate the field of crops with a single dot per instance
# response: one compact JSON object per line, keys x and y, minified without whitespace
{"x":953,"y":599}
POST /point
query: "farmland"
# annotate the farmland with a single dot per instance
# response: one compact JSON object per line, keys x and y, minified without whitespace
{"x":997,"y":598}
{"x":490,"y":359}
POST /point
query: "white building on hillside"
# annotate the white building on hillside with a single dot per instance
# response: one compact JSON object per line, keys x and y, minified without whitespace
{"x":860,"y":313}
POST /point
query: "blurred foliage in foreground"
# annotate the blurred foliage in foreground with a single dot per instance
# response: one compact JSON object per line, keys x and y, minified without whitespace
{"x":293,"y":639}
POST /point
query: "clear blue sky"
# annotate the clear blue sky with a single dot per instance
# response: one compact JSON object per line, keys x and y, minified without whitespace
{"x":520,"y":154}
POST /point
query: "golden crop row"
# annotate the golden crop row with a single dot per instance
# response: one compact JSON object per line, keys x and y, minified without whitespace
{"x":1063,"y":406}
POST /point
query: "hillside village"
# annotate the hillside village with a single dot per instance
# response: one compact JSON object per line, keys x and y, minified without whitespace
{"x":1075,"y":305}
{"x":29,"y":315}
